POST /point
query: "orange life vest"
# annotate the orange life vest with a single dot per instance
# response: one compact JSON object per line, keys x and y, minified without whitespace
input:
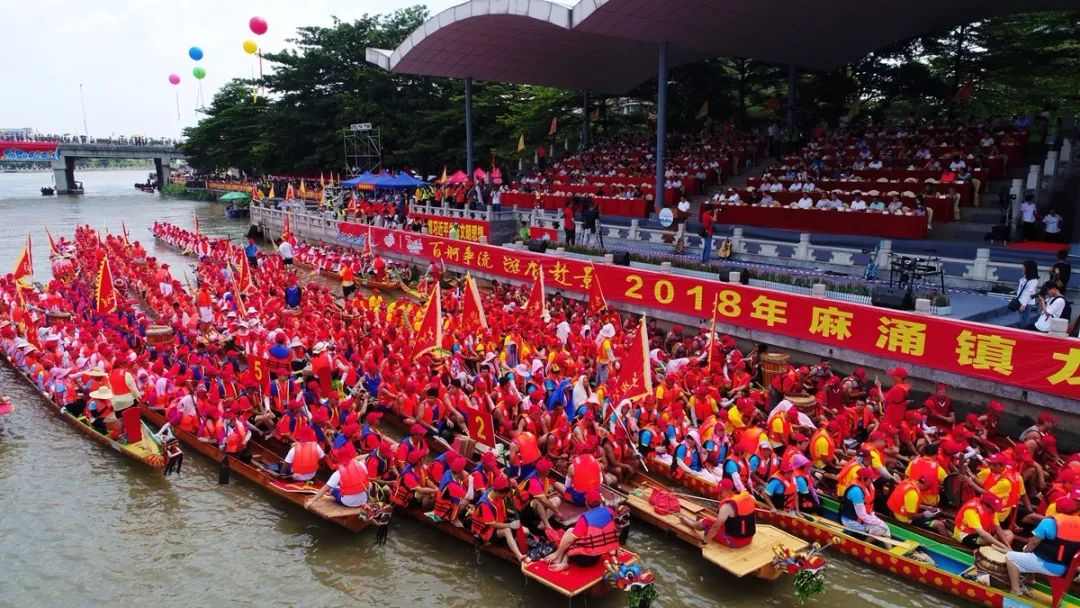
{"x":353,"y":479}
{"x":527,"y":452}
{"x":927,"y":468}
{"x":488,"y":509}
{"x":830,"y":450}
{"x":1066,"y":544}
{"x":986,"y":517}
{"x":742,"y":525}
{"x":847,"y":476}
{"x":234,"y":440}
{"x":305,"y":458}
{"x":791,"y":494}
{"x":601,"y":536}
{"x":898,"y":499}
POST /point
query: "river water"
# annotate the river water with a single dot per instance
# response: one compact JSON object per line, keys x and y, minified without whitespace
{"x":81,"y":526}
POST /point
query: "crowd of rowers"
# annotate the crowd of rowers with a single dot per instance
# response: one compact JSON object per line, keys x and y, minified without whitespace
{"x":337,"y":366}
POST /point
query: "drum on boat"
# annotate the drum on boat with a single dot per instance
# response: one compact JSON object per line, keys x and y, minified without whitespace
{"x":772,"y":365}
{"x":54,"y":317}
{"x":157,"y":335}
{"x":803,"y":402}
{"x":991,"y":560}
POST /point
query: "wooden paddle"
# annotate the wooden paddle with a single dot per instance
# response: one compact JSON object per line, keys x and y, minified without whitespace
{"x":828,"y":523}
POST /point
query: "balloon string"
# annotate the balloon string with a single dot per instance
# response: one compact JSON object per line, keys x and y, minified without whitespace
{"x":177,"y":106}
{"x":261,"y":89}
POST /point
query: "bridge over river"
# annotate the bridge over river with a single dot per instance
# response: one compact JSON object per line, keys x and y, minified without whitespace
{"x":63,"y":155}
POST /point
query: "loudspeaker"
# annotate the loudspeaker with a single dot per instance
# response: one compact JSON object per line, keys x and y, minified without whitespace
{"x":621,"y":258}
{"x":538,"y":246}
{"x":895,"y":298}
{"x":998,"y":232}
{"x":744,"y":274}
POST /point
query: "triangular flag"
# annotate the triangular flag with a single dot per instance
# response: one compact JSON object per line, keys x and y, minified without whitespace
{"x":521,"y":143}
{"x":429,"y":336}
{"x":23,"y":272}
{"x":54,"y":249}
{"x":270,"y":195}
{"x":966,"y":90}
{"x":244,"y":282}
{"x":597,"y":302}
{"x":703,"y":112}
{"x":554,"y":126}
{"x":442,"y":180}
{"x":322,"y":182}
{"x":256,"y":194}
{"x":536,"y":304}
{"x":289,"y":193}
{"x":634,"y":378}
{"x":105,"y":292}
{"x":303,"y":189}
{"x":472,"y":308}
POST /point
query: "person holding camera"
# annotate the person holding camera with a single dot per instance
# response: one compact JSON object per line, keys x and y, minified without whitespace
{"x":1051,"y":306}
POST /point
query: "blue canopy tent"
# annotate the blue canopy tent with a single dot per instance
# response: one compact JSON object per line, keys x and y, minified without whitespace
{"x":363,"y":178}
{"x":403,"y":180}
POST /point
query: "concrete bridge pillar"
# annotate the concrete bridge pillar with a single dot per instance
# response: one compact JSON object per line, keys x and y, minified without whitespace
{"x":64,"y":174}
{"x":163,"y":170}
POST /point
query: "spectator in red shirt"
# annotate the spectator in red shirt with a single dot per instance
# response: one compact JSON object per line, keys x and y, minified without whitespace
{"x":568,"y":221}
{"x":707,"y":220}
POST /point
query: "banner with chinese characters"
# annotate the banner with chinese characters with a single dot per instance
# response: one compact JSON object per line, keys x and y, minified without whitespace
{"x":997,"y":354}
{"x":468,"y":230}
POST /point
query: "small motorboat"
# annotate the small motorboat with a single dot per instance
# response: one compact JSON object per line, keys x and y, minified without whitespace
{"x":235,"y":212}
{"x":147,"y":187}
{"x":47,"y":191}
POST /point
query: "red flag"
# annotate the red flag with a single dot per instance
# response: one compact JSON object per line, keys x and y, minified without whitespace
{"x":54,"y":249}
{"x":244,"y":282}
{"x":965,"y":91}
{"x":286,"y":230}
{"x":429,"y":336}
{"x":472,"y":308}
{"x":773,"y":104}
{"x":256,"y":194}
{"x":196,"y":223}
{"x":554,"y":126}
{"x":289,"y":193}
{"x":536,"y":304}
{"x":105,"y":291}
{"x":597,"y":302}
{"x":23,"y":272}
{"x":634,"y":378}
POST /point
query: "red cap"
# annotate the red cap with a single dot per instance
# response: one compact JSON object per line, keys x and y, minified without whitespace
{"x":792,"y":415}
{"x":995,"y":406}
{"x":1066,"y":505}
{"x":867,"y":473}
{"x":1048,"y":417}
{"x":899,"y":372}
{"x":725,"y":485}
{"x":306,"y":434}
{"x":543,"y":466}
{"x":593,"y":498}
{"x":488,"y":460}
{"x":879,"y":435}
{"x":799,"y":437}
{"x":501,"y":483}
{"x":373,"y":417}
{"x":999,"y":458}
{"x":417,"y":429}
{"x":458,"y":465}
{"x":860,"y":373}
{"x":991,"y":500}
{"x":414,"y":457}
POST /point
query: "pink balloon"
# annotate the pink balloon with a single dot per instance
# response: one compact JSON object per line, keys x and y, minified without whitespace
{"x":257,"y":25}
{"x":173,"y":78}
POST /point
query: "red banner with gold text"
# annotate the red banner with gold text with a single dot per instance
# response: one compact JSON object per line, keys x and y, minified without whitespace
{"x":997,"y":354}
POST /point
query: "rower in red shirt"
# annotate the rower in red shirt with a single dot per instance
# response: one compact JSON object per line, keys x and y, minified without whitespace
{"x":939,"y":406}
{"x":896,"y":398}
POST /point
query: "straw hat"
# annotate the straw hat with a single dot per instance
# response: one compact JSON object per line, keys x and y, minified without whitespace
{"x":95,"y":372}
{"x":102,"y":393}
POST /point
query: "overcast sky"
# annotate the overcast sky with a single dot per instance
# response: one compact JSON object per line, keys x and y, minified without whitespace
{"x":122,"y":51}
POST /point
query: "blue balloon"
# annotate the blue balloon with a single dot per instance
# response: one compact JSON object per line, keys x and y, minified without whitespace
{"x":195,"y":53}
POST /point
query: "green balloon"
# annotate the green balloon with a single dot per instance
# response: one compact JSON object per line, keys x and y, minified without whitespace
{"x":199,"y":73}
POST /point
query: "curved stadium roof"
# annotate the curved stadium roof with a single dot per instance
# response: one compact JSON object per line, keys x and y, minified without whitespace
{"x":611,"y":45}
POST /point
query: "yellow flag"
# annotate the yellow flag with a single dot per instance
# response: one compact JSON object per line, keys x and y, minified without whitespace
{"x":703,"y":112}
{"x":521,"y":143}
{"x":270,"y":195}
{"x":594,"y":116}
{"x":442,"y":180}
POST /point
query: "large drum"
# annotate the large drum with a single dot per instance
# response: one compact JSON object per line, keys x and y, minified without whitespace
{"x":804,"y":403}
{"x":992,"y":561}
{"x":772,"y":365}
{"x":157,"y":335}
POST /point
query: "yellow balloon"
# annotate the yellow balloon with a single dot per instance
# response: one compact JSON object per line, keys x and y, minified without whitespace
{"x":250,"y":47}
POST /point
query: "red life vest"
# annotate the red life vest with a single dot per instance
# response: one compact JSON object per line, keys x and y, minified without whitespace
{"x":118,"y":382}
{"x":986,"y":516}
{"x":587,"y":474}
{"x":446,"y":506}
{"x":791,"y":494}
{"x":488,"y":509}
{"x":235,"y":439}
{"x":898,"y":498}
{"x":211,"y":430}
{"x":601,"y":536}
{"x":926,"y":468}
{"x":353,"y":479}
{"x":830,"y":451}
{"x":411,"y":479}
{"x":305,"y":458}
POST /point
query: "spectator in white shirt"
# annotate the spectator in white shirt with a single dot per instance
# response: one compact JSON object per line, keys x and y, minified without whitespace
{"x":957,"y":164}
{"x":806,"y":202}
{"x":1052,"y":225}
{"x":733,"y":196}
{"x":767,"y":200}
{"x":1027,"y":217}
{"x":858,"y":204}
{"x":1051,"y":306}
{"x":835,"y":202}
{"x":895,"y":205}
{"x":875,"y":164}
{"x":823,"y":203}
{"x":796,"y":187}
